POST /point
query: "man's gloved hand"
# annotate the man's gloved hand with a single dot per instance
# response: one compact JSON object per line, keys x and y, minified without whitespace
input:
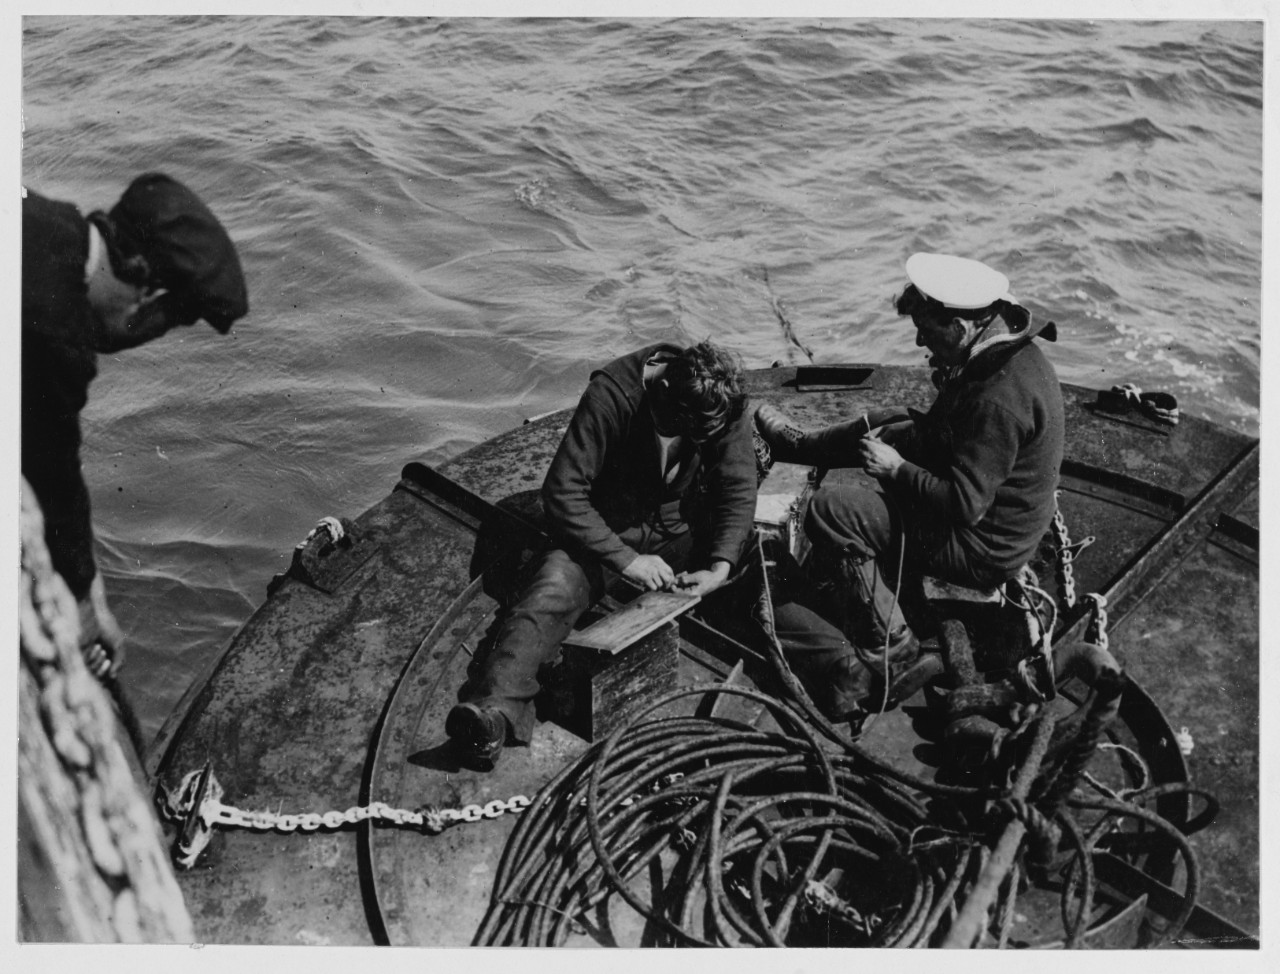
{"x":101,"y":641}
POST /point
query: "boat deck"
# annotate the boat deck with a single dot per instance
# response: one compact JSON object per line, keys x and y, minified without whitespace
{"x":334,"y":692}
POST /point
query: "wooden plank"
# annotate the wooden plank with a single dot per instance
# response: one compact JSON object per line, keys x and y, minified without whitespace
{"x":635,"y":620}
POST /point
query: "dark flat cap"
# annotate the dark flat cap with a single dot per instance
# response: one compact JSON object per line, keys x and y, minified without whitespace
{"x":185,"y":247}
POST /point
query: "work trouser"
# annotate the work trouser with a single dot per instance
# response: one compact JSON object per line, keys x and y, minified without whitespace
{"x":822,"y":658}
{"x":873,"y":531}
{"x":861,"y":546}
{"x":560,"y":586}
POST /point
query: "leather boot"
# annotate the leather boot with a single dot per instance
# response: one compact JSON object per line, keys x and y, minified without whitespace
{"x":865,"y":602}
{"x":479,"y":733}
{"x":782,"y":436}
{"x":831,"y":446}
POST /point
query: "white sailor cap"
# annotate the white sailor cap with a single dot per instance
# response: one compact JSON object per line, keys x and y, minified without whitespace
{"x":958,"y":282}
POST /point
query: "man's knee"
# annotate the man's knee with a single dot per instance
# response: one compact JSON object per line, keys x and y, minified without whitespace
{"x":558,"y":582}
{"x":848,"y":520}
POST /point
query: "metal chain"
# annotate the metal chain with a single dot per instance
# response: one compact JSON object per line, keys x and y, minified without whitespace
{"x":179,"y":806}
{"x":196,"y":805}
{"x":1067,"y":552}
{"x":429,"y":819}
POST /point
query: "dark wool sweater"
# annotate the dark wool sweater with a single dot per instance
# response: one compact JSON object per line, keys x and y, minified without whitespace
{"x":605,"y":477}
{"x":984,"y":464}
{"x":58,"y":363}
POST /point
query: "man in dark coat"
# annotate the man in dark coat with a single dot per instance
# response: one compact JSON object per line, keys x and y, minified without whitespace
{"x":654,"y":480}
{"x":965,"y":491}
{"x":113,"y":280}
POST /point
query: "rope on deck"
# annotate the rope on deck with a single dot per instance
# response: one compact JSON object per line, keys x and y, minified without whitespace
{"x":751,"y":837}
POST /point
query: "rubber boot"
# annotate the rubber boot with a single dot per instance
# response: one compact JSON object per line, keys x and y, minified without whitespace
{"x":831,"y":446}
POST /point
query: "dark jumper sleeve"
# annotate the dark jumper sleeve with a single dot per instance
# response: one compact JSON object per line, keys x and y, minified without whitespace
{"x":981,"y":461}
{"x":58,"y":363}
{"x":732,"y":490}
{"x":566,"y":491}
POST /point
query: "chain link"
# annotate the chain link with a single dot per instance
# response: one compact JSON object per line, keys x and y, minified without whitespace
{"x":1067,"y":552}
{"x":1096,"y":632}
{"x":179,"y":806}
{"x":1065,"y":569}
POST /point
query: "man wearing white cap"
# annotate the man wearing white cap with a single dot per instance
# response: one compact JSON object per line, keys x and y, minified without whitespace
{"x":965,"y":491}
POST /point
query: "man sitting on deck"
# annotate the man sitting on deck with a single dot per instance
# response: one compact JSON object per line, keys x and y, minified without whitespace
{"x":655,"y":475}
{"x":965,"y":492}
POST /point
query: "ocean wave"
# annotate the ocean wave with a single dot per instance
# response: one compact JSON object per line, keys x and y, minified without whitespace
{"x":446,"y":223}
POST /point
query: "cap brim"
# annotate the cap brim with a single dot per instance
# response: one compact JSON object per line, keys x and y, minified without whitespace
{"x":956,"y":282}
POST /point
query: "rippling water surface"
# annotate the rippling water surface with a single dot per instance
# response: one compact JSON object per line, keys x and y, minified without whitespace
{"x":446,"y":223}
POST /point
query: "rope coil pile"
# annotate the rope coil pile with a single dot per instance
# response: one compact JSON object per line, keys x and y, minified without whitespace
{"x":776,"y":838}
{"x":763,"y":825}
{"x":752,"y":837}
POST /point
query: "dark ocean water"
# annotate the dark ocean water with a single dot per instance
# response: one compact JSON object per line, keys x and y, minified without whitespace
{"x":446,"y":223}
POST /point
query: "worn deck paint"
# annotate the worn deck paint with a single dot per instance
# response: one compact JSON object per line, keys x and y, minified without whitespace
{"x":291,"y":713}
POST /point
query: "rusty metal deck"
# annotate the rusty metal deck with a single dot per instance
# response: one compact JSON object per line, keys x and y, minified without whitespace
{"x":292,"y":713}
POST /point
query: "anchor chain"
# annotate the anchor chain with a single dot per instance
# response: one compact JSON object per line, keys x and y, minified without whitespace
{"x":196,"y":804}
{"x":1067,"y":552}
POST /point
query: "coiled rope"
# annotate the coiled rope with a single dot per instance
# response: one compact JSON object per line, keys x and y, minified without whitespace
{"x":762,"y":825}
{"x":752,"y":837}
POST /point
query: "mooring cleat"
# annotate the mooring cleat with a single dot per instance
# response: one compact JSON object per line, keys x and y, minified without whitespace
{"x":479,"y":733}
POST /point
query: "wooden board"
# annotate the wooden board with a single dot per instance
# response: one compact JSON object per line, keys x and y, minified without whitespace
{"x":635,"y":620}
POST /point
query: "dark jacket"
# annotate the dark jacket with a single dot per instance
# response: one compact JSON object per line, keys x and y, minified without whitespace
{"x":983,"y":464}
{"x":58,"y":363}
{"x":605,"y":478}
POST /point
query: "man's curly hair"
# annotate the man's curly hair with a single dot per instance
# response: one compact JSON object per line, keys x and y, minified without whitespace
{"x":707,"y":388}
